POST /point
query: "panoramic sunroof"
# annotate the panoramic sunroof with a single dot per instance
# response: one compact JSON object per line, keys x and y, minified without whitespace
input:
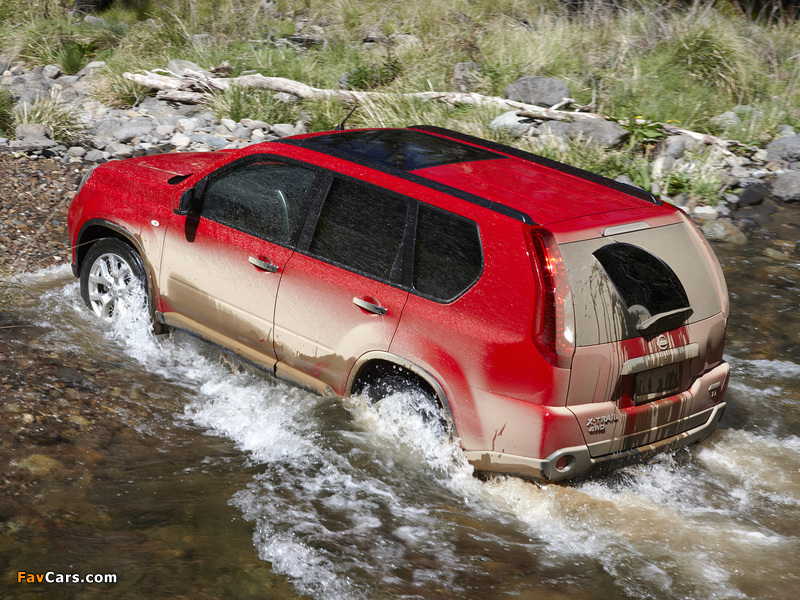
{"x":401,"y":148}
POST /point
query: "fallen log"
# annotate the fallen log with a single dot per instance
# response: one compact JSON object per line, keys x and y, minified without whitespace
{"x":199,"y":83}
{"x":191,"y":87}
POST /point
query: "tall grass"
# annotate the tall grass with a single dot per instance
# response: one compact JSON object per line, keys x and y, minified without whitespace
{"x":681,"y":60}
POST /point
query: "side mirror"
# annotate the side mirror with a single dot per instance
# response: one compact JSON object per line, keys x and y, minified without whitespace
{"x":186,"y":204}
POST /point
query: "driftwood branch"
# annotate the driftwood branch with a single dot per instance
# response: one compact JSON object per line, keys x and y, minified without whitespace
{"x":194,"y":84}
{"x":192,"y":87}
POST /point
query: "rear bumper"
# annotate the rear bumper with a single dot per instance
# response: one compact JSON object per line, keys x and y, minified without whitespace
{"x":575,"y":461}
{"x":578,"y":460}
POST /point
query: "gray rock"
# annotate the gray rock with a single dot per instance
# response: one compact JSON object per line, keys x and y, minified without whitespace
{"x":118,"y":150}
{"x":91,"y":69}
{"x":243,"y":133}
{"x":136,"y":128}
{"x":674,"y":146}
{"x":180,"y":140}
{"x":24,"y":130}
{"x":705,"y":212}
{"x":599,"y":132}
{"x":785,"y":148}
{"x":253,"y":124}
{"x":559,"y":128}
{"x":51,"y":72}
{"x":511,"y":124}
{"x":283,"y":129}
{"x":753,"y":193}
{"x":41,"y":141}
{"x":76,"y":151}
{"x":94,"y":156}
{"x":30,"y":95}
{"x":786,"y":187}
{"x":165,"y":131}
{"x":786,"y":131}
{"x":179,"y":66}
{"x":465,"y":76}
{"x":95,"y":21}
{"x":534,"y":89}
{"x":215,"y":142}
{"x":719,"y":230}
{"x":726,"y":120}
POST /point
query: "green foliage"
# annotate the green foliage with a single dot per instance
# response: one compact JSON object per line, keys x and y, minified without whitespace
{"x":60,"y":120}
{"x":368,"y":77}
{"x":239,"y":103}
{"x":6,"y":114}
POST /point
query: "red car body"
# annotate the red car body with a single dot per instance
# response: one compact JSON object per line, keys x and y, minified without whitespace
{"x":563,"y":321}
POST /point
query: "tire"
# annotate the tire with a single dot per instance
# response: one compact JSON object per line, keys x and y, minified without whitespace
{"x":113,"y":279}
{"x":421,"y":398}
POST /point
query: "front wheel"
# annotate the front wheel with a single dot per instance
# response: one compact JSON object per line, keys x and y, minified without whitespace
{"x":112,"y":279}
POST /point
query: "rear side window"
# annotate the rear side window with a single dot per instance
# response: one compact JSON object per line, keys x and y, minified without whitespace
{"x":265,"y":198}
{"x":361,"y":227}
{"x":447,"y":254}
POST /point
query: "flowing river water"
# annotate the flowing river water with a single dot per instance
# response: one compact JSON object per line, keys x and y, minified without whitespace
{"x":218,"y":482}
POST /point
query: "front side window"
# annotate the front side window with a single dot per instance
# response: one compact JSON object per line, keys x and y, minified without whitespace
{"x":263,"y":197}
{"x":447,"y":254}
{"x":361,"y":227}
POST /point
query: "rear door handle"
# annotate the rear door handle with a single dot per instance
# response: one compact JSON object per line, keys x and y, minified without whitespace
{"x":368,"y":306}
{"x":264,"y":265}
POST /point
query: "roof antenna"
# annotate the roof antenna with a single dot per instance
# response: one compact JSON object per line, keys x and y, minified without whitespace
{"x":340,"y":126}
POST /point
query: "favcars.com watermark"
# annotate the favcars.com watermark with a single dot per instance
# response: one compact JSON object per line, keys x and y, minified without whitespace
{"x":53,"y":577}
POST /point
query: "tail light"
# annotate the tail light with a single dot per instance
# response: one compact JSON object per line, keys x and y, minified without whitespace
{"x":553,"y":322}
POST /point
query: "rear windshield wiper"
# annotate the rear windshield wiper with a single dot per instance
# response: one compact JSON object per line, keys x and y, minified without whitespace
{"x":648,"y":323}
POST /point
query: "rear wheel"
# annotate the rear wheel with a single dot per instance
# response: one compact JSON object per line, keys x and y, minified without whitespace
{"x":112,"y":279}
{"x":419,"y":396}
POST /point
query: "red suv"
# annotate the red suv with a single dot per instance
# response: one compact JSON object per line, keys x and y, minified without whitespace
{"x":560,"y":320}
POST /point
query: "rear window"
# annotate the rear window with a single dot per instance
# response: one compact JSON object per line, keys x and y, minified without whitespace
{"x":623,"y":281}
{"x":642,"y":279}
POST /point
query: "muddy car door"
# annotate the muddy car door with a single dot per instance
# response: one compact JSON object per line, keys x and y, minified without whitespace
{"x":223,"y":261}
{"x":340,"y":295}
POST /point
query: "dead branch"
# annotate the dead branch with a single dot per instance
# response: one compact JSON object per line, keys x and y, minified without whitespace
{"x":194,"y":82}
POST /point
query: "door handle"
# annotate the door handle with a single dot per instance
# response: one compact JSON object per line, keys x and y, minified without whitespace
{"x":264,"y":265}
{"x":368,"y":306}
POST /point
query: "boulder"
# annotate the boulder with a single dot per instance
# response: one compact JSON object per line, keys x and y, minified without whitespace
{"x":599,"y":132}
{"x":785,"y":148}
{"x":726,"y":120}
{"x":719,"y":230}
{"x":179,"y":66}
{"x":534,"y":89}
{"x":786,"y":187}
{"x":511,"y":124}
{"x":752,"y":193}
{"x":136,"y":128}
{"x":24,"y":130}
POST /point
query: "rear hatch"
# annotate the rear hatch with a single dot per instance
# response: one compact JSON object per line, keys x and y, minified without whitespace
{"x":649,"y":319}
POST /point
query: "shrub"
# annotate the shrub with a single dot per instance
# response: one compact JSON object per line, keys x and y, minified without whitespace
{"x":59,"y":119}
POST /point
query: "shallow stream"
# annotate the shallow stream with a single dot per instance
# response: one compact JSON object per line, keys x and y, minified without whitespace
{"x":215,"y":482}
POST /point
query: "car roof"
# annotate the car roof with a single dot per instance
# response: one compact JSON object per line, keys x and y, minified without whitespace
{"x":525,"y":186}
